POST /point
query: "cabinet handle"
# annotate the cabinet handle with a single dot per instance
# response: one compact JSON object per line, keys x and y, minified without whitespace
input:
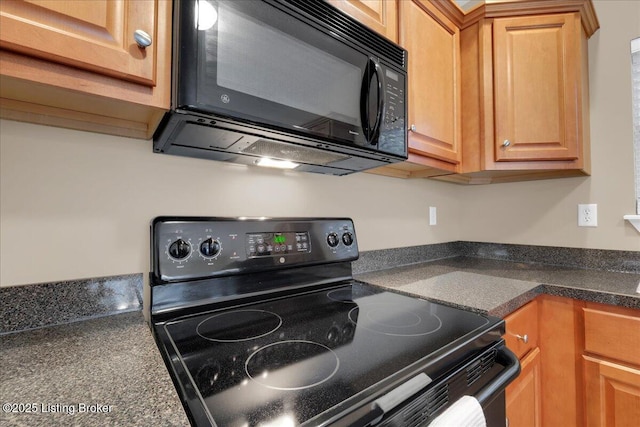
{"x":142,"y":39}
{"x":524,"y":338}
{"x":506,"y":143}
{"x":412,"y":128}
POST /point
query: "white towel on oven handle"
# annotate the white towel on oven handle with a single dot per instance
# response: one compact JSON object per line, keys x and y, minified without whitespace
{"x":465,"y":412}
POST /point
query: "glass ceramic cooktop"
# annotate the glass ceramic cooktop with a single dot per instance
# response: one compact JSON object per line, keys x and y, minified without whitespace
{"x":288,"y":360}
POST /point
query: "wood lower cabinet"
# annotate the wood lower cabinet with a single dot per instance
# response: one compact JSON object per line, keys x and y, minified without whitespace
{"x":611,"y":363}
{"x":379,"y":15}
{"x":561,"y":370}
{"x":76,"y":64}
{"x":524,"y":396}
{"x":612,"y":393}
{"x":582,"y":367}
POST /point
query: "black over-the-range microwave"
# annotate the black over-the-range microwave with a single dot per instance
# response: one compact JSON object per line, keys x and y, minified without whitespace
{"x":288,"y":83}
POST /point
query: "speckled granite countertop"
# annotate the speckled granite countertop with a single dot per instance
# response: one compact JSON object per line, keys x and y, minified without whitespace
{"x":104,"y":371}
{"x":108,"y":371}
{"x":500,"y":287}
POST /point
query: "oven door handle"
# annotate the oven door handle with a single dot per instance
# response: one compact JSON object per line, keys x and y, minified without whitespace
{"x":512,"y":369}
{"x":373,"y":413}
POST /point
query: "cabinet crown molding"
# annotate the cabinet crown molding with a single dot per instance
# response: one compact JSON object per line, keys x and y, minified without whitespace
{"x":510,"y":8}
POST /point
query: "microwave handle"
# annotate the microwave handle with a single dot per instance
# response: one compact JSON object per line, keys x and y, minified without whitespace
{"x":380,"y":76}
{"x":371,"y":132}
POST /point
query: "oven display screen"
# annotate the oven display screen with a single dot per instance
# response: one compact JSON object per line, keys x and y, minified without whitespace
{"x":277,"y":244}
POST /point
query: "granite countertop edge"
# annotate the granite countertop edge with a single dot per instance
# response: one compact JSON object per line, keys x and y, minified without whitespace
{"x":504,"y":309}
{"x":446,"y":280}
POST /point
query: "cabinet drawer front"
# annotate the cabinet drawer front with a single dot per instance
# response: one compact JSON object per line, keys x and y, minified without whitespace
{"x":520,"y":324}
{"x":612,"y":334}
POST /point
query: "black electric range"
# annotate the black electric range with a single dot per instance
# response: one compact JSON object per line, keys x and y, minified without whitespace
{"x":261,"y":324}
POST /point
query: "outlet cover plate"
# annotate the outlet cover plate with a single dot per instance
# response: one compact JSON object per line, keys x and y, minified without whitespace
{"x":588,"y":215}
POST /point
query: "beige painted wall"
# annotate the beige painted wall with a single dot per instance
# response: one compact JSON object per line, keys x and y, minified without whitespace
{"x":545,"y":212}
{"x":76,"y":204}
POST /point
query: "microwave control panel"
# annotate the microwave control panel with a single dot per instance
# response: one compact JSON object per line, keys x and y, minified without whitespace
{"x":394,"y":112}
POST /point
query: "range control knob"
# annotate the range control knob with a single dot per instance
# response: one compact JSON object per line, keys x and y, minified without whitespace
{"x":210,"y":248}
{"x":332,"y":240}
{"x":179,"y":249}
{"x":347,"y":238}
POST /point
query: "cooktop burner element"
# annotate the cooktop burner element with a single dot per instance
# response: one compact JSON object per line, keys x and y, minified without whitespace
{"x":388,"y":320}
{"x":270,"y":365}
{"x":347,"y":295}
{"x":260,"y":337}
{"x":238,"y":325}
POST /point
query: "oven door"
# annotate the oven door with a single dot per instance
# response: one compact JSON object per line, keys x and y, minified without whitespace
{"x":272,"y":65}
{"x":485,"y":377}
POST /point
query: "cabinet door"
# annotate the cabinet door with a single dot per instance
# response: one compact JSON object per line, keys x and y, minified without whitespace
{"x":95,"y":35}
{"x":523,"y":395}
{"x":433,"y":43}
{"x":537,"y":84}
{"x":612,"y":394}
{"x":379,"y":15}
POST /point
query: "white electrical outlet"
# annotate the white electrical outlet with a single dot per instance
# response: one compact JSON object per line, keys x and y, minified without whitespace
{"x":588,"y":215}
{"x":433,"y":219}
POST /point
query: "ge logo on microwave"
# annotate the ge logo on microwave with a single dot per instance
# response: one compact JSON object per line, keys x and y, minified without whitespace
{"x":225,"y":98}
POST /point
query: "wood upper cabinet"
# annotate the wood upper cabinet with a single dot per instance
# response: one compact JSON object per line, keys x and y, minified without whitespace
{"x":76,"y":63}
{"x":95,"y":35}
{"x":526,"y":91}
{"x":433,"y":43}
{"x":537,"y":88}
{"x":379,"y":15}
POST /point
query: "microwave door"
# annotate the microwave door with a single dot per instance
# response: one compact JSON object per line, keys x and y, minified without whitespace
{"x":255,"y":63}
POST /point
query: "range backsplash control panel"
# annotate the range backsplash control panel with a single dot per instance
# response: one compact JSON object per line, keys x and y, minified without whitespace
{"x":187,"y":248}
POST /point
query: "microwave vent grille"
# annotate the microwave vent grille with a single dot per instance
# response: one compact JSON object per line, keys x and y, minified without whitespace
{"x":294,"y":153}
{"x":349,"y":28}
